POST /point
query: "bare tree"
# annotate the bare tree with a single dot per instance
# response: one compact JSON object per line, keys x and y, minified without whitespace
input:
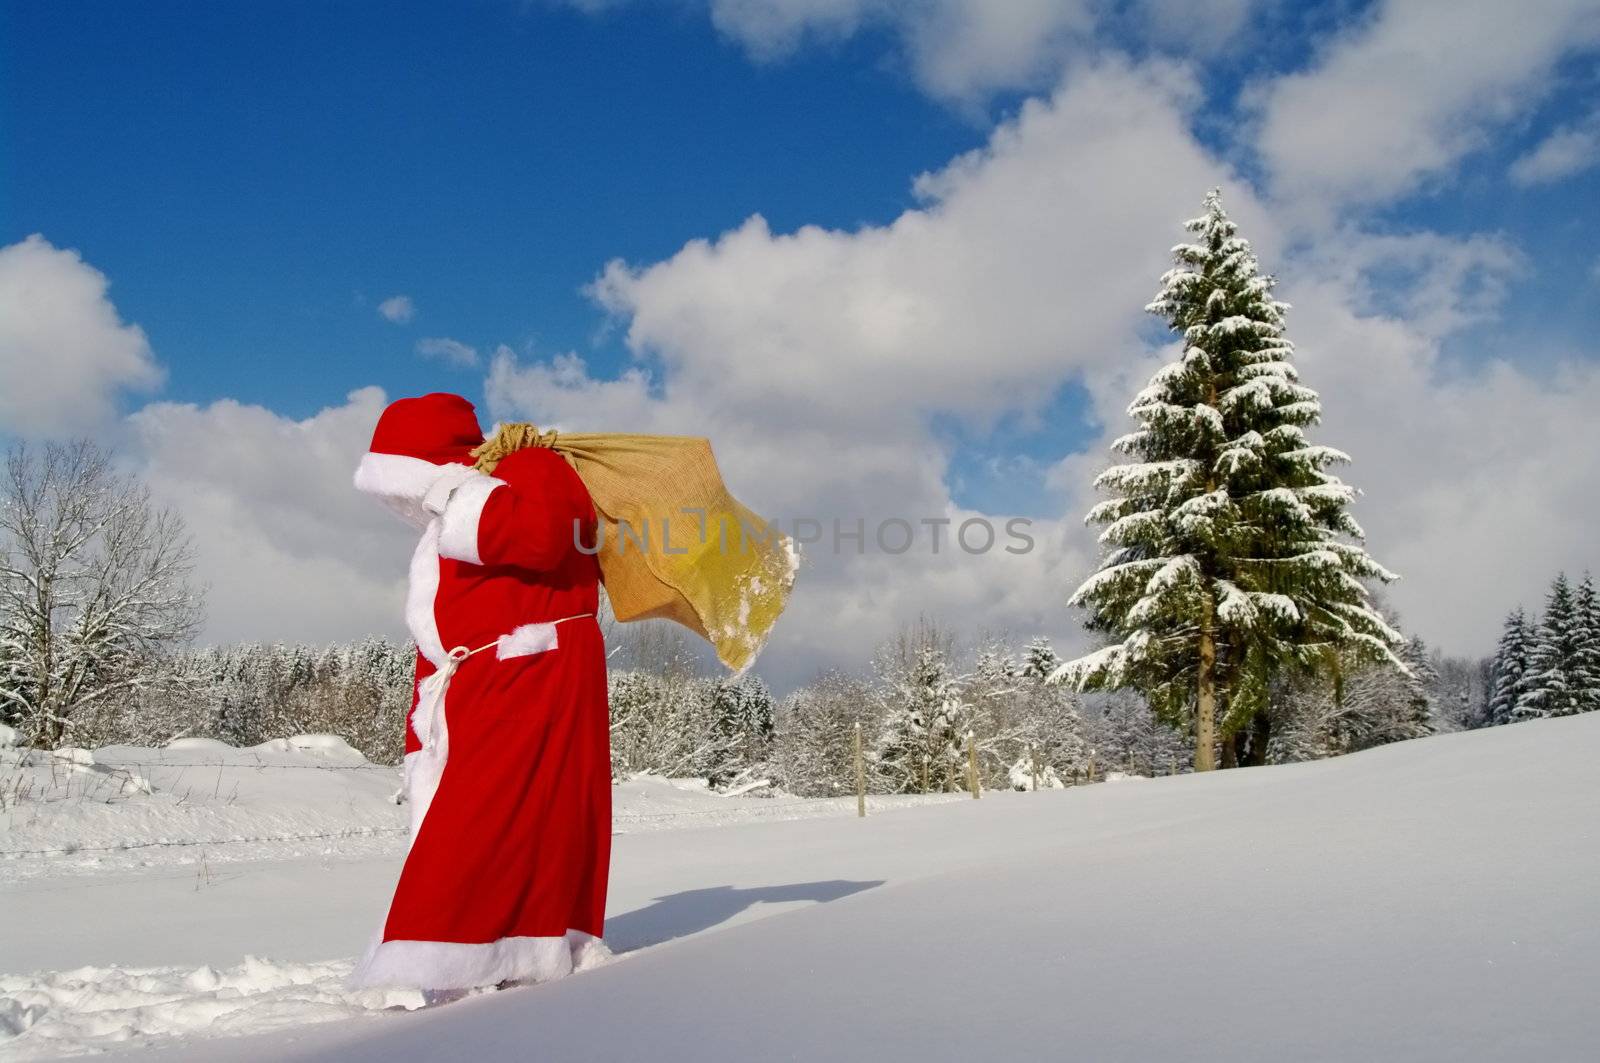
{"x":95,"y":587}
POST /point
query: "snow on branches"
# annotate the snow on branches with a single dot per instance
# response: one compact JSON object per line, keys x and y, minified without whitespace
{"x":94,"y":588}
{"x":1229,"y":551}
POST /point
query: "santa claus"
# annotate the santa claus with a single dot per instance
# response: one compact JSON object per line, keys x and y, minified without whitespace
{"x":507,"y":762}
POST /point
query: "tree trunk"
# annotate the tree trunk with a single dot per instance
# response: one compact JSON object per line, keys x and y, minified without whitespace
{"x":1231,"y":746}
{"x":1205,"y":715}
{"x":1260,"y":735}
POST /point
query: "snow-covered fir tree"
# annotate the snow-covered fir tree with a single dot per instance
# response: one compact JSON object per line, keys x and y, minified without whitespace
{"x":1586,"y":646}
{"x":993,"y":690}
{"x":1555,"y":684}
{"x":996,"y":671}
{"x":1414,"y":717}
{"x":1011,"y":716}
{"x":920,"y":743}
{"x":1512,"y":659}
{"x":663,"y":723}
{"x":743,"y":725}
{"x":1039,"y":659}
{"x":1231,"y":552}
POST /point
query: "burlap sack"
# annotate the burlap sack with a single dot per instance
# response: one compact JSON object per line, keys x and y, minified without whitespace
{"x":675,"y":543}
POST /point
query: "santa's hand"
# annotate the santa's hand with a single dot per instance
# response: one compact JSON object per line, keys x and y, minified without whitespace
{"x":445,"y":484}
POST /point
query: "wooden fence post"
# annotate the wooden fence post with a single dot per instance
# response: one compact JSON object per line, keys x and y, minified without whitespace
{"x":861,"y":776}
{"x":1033,"y":757}
{"x":924,"y":773}
{"x":1091,"y":766}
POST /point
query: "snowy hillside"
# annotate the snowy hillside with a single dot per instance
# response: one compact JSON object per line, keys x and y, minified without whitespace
{"x":1433,"y":899}
{"x":199,"y":803}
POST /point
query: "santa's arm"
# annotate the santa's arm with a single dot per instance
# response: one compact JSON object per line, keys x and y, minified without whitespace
{"x":528,"y":515}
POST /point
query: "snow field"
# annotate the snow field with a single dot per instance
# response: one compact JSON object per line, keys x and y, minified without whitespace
{"x":1427,"y":900}
{"x":135,"y":879}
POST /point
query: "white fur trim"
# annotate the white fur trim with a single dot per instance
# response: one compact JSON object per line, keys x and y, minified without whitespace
{"x":464,"y":965}
{"x":421,"y":591}
{"x":458,"y":537}
{"x":394,"y":474}
{"x":423,"y":770}
{"x":588,"y":951}
{"x":527,"y":640}
{"x":399,"y":482}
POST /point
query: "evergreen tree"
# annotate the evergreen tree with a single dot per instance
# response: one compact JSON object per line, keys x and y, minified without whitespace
{"x":924,"y":727}
{"x":1555,"y":685}
{"x":1414,"y":718}
{"x":995,"y":671}
{"x":1586,"y":647}
{"x":1230,"y":548}
{"x":1511,"y":663}
{"x":742,"y":710}
{"x":1040,"y":660}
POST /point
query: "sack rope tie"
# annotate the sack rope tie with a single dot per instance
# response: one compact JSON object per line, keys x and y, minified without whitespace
{"x":509,"y":439}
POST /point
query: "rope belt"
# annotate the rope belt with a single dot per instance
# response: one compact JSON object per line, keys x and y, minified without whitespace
{"x":430,"y":692}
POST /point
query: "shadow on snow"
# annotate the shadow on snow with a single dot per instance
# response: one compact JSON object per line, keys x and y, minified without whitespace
{"x":681,"y":914}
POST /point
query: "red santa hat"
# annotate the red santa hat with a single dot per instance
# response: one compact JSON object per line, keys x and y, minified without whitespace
{"x":414,"y":440}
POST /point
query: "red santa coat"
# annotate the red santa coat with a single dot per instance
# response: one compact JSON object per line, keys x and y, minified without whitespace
{"x":508,"y":764}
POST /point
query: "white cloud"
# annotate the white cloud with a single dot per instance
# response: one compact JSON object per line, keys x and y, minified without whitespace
{"x":398,"y":309}
{"x":1401,"y":97}
{"x":816,"y":359}
{"x":963,"y":51}
{"x":956,"y":49}
{"x":1437,"y":284}
{"x":1567,"y":151}
{"x":1480,"y":481}
{"x":65,"y":353}
{"x":288,"y":548}
{"x":1190,"y":28}
{"x":1029,"y":261}
{"x":449,"y":351}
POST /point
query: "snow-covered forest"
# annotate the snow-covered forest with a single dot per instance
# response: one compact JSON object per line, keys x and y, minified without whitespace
{"x":1548,"y":665}
{"x":919,"y":698}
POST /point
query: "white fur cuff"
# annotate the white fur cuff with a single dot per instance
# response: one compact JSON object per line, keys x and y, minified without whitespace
{"x":458,"y":534}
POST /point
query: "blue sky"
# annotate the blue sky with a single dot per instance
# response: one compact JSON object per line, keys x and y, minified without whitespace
{"x":254,"y":180}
